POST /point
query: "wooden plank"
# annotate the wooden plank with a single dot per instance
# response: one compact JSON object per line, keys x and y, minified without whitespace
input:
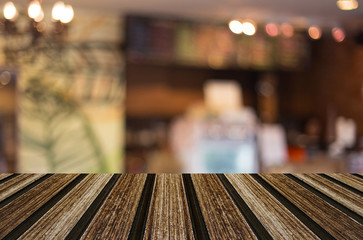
{"x":221,"y":215}
{"x":352,"y":214}
{"x":58,"y":221}
{"x":15,"y":195}
{"x":312,"y":225}
{"x":139,"y":223}
{"x":81,"y":226}
{"x":349,"y":179}
{"x":4,"y":175}
{"x":200,"y":230}
{"x":277,"y":219}
{"x":340,"y":183}
{"x":114,"y":219}
{"x":340,"y":194}
{"x":7,"y":178}
{"x":21,"y":208}
{"x":168,"y":217}
{"x":15,"y":184}
{"x":256,"y":226}
{"x":332,"y":220}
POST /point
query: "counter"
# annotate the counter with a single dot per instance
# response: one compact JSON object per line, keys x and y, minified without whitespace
{"x":181,"y":206}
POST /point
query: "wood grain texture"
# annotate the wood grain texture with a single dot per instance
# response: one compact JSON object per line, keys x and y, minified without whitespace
{"x":174,"y":206}
{"x":21,"y":208}
{"x":15,"y":184}
{"x":58,"y":221}
{"x":348,"y":179}
{"x":114,"y":219}
{"x":336,"y":192}
{"x":221,"y":215}
{"x":168,"y":216}
{"x":277,"y":220}
{"x":4,"y":175}
{"x":334,"y":221}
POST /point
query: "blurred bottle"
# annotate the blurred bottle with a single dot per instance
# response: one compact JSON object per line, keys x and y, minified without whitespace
{"x":345,"y":130}
{"x":313,"y":131}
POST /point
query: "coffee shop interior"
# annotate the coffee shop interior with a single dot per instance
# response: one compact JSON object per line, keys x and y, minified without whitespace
{"x":181,"y":86}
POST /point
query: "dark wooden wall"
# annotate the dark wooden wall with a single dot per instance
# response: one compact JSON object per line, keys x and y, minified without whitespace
{"x":333,"y":81}
{"x":168,"y":90}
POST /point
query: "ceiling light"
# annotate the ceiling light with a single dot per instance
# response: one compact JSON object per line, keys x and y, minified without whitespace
{"x":34,"y":15}
{"x":236,"y":26}
{"x":57,"y":10}
{"x":9,"y":11}
{"x":34,"y":9}
{"x":347,"y":4}
{"x":67,"y":15}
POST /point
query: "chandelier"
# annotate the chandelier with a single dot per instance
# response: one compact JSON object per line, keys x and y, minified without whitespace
{"x":18,"y":25}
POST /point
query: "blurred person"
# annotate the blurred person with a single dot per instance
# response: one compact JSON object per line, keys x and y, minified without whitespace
{"x":218,"y":135}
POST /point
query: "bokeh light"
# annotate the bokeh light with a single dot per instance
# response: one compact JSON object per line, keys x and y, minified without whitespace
{"x":236,"y":26}
{"x":39,"y":17}
{"x":338,"y":34}
{"x":5,"y":78}
{"x":9,"y":11}
{"x":272,"y":29}
{"x":249,"y":28}
{"x":57,"y":10}
{"x":347,"y":4}
{"x":67,"y":15}
{"x":34,"y":9}
{"x":314,"y":32}
{"x":287,"y":30}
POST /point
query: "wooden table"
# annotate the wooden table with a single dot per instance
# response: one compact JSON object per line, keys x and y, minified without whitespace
{"x":175,"y":206}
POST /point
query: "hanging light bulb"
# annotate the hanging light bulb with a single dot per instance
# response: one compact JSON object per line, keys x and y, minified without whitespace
{"x":9,"y":11}
{"x":235,"y":26}
{"x":58,"y":10}
{"x":347,"y":4}
{"x":67,"y":15}
{"x":34,"y":9}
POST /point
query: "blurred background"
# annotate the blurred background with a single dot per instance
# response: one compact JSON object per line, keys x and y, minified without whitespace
{"x":181,"y":86}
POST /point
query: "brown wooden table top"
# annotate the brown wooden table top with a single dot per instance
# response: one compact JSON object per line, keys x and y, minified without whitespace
{"x":181,"y":206}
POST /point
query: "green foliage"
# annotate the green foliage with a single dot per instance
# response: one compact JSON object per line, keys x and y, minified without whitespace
{"x":66,"y":138}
